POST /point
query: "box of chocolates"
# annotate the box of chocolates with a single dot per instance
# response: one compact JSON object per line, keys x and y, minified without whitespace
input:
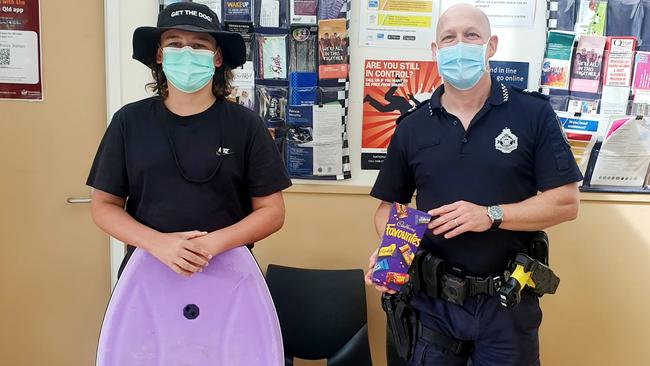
{"x":401,"y":239}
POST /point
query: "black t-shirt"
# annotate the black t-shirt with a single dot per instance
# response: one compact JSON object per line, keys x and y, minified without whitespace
{"x":513,"y":148}
{"x":136,"y":160}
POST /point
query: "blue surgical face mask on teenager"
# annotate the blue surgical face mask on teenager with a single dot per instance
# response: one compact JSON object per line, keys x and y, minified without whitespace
{"x":462,"y":64}
{"x":187,"y":69}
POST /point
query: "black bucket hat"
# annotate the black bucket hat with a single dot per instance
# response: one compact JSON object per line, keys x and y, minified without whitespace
{"x":189,"y":17}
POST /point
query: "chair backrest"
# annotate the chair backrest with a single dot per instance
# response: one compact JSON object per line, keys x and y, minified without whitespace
{"x":322,"y":314}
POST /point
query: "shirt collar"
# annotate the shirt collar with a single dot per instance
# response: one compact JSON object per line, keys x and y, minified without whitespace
{"x":499,"y":94}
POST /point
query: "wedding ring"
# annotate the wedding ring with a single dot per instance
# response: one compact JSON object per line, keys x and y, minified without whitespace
{"x":456,"y":222}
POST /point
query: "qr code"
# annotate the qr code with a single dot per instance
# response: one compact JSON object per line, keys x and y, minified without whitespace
{"x":5,"y":56}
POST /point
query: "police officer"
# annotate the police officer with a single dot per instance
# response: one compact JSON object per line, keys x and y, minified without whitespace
{"x":186,"y":174}
{"x":491,"y":165}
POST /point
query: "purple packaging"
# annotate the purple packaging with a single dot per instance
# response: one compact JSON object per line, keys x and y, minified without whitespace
{"x":402,"y":235}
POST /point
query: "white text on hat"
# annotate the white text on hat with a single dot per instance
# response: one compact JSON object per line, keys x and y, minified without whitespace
{"x":194,"y":13}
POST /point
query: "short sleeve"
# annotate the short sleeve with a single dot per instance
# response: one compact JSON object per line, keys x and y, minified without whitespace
{"x":265,"y":170}
{"x":395,"y":181}
{"x":555,"y":165}
{"x":108,"y":172}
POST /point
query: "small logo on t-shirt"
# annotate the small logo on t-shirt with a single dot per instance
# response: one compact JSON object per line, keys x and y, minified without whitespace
{"x":506,"y":142}
{"x":224,"y":151}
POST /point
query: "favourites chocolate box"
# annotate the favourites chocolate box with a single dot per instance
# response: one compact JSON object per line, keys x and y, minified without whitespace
{"x":401,"y":239}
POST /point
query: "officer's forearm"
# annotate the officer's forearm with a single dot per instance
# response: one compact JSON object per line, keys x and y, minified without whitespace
{"x":381,"y":217}
{"x":544,"y":210}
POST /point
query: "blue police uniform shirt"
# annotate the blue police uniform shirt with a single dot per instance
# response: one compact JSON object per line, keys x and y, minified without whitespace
{"x":513,"y":148}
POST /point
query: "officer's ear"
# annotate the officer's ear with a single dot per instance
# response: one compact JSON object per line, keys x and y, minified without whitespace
{"x":434,"y":50}
{"x":492,"y":46}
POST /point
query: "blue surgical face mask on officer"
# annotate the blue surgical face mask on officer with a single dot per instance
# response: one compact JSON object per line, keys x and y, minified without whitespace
{"x":462,"y":64}
{"x":187,"y":69}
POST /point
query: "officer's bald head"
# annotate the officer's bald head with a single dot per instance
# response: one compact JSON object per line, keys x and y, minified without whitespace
{"x":466,"y":16}
{"x":464,"y":23}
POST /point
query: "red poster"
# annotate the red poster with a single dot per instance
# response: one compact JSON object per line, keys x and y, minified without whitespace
{"x":20,"y":50}
{"x":391,"y":88}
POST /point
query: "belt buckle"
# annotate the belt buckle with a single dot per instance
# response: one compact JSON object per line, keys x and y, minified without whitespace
{"x":484,"y":286}
{"x":477,"y":285}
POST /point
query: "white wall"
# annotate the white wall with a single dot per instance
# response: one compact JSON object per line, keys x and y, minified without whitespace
{"x":515,"y":44}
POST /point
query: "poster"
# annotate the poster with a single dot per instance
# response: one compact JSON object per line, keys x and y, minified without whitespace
{"x":557,"y":60}
{"x":391,"y":88}
{"x":238,"y":11}
{"x":582,"y":133}
{"x":502,"y":14}
{"x":587,"y":64}
{"x":303,"y":11}
{"x":591,"y":18}
{"x":625,"y":154}
{"x":510,"y":73}
{"x":243,"y":86}
{"x":585,"y":106}
{"x":641,"y":72}
{"x":614,"y":99}
{"x":620,"y":60}
{"x":20,"y":50}
{"x":315,"y":141}
{"x":269,"y":13}
{"x":332,"y":9}
{"x":398,"y":23}
{"x":333,"y":49}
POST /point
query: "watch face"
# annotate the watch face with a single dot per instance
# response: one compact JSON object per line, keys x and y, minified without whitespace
{"x":495,"y":212}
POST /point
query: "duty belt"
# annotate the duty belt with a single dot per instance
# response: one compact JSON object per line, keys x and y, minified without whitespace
{"x":429,"y":275}
{"x":455,"y":288}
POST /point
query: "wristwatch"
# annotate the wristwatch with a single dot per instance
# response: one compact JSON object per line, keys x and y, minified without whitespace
{"x":495,"y":213}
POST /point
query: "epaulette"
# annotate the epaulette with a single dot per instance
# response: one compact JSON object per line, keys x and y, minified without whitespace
{"x":530,"y":92}
{"x":422,"y":104}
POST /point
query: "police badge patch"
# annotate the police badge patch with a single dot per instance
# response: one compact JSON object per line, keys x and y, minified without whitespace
{"x":506,"y":142}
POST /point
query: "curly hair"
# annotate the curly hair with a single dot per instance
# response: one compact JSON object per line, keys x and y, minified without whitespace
{"x":221,"y":87}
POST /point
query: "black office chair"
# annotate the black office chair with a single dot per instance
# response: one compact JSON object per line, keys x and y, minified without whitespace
{"x":322,"y":314}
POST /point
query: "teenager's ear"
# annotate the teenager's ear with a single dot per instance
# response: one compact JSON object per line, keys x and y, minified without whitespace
{"x":159,"y":56}
{"x":218,"y":58}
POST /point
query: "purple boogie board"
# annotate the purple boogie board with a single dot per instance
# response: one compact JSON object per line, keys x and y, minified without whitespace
{"x":223,"y":316}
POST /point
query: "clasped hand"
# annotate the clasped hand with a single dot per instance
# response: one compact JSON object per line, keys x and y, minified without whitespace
{"x":180,"y":253}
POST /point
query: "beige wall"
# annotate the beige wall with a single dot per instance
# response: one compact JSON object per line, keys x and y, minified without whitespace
{"x":54,"y":263}
{"x":598,"y":316}
{"x":54,"y":275}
